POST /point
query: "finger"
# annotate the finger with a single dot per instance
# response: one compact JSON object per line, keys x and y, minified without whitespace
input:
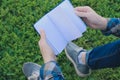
{"x":43,"y":37}
{"x":88,"y":23}
{"x":81,"y":14}
{"x":42,"y":34}
{"x":82,"y":8}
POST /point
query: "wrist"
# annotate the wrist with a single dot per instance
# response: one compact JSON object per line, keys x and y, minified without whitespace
{"x":49,"y":58}
{"x":104,"y":23}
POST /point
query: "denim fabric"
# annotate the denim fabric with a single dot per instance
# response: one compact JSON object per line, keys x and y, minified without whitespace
{"x":113,"y":27}
{"x":106,"y":56}
{"x":87,"y":56}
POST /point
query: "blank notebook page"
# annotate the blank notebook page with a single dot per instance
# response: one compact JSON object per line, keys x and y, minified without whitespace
{"x":61,"y":26}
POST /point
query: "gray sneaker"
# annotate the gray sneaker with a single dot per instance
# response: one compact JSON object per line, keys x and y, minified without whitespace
{"x":72,"y":51}
{"x":31,"y":70}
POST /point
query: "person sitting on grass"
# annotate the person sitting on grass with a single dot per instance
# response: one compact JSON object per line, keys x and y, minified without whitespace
{"x":50,"y":70}
{"x":105,"y":56}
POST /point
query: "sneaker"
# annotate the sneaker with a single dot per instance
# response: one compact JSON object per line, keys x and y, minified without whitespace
{"x":72,"y":51}
{"x":31,"y":70}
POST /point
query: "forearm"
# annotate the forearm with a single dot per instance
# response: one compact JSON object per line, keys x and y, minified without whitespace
{"x":113,"y":27}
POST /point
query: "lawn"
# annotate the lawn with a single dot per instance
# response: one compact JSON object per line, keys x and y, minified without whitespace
{"x":19,"y":40}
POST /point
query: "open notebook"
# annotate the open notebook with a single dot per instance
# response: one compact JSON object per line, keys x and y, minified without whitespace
{"x":61,"y":26}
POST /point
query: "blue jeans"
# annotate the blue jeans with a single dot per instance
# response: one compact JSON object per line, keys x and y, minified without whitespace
{"x":106,"y":56}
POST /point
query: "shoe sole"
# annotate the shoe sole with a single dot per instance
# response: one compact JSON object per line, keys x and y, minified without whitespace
{"x":77,"y":71}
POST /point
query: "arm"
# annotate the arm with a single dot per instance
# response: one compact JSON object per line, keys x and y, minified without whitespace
{"x":95,"y":21}
{"x":50,"y":70}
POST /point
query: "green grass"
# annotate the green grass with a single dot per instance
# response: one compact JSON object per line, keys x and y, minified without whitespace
{"x":19,"y":40}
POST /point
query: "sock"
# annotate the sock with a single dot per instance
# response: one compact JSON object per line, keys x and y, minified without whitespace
{"x":81,"y":57}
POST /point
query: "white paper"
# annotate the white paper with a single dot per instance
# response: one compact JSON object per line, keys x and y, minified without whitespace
{"x":61,"y":26}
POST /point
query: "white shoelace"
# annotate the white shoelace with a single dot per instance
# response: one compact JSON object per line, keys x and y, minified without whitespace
{"x":34,"y":76}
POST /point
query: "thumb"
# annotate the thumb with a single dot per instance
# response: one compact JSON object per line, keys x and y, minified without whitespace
{"x":81,"y":14}
{"x":42,"y":34}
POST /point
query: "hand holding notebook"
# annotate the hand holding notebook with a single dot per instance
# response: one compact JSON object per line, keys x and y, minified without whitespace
{"x":61,"y":26}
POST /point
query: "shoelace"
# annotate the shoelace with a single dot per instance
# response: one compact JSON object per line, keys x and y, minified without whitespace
{"x":34,"y":76}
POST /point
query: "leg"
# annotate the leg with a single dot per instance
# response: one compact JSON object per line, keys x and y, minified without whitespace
{"x":106,"y":56}
{"x":72,"y":52}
